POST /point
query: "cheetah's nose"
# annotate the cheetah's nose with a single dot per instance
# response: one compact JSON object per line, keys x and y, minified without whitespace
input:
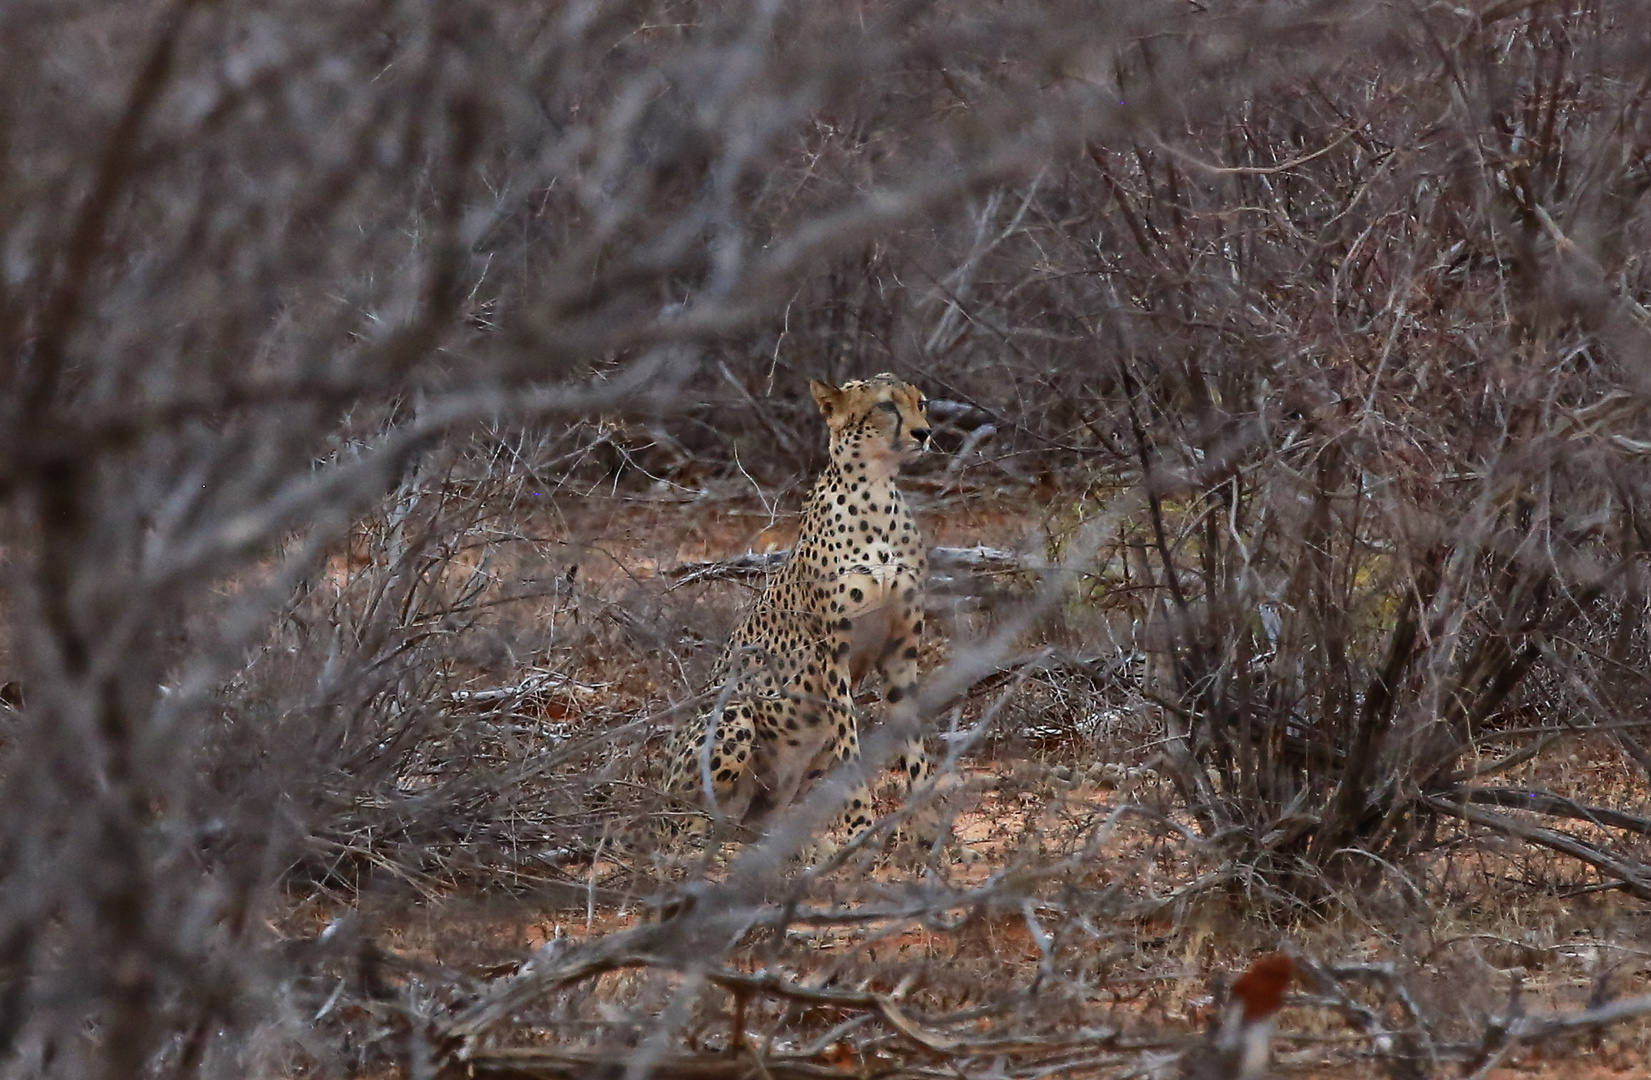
{"x":921,"y":434}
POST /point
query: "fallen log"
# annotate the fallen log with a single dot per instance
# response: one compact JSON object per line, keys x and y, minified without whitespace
{"x":979,"y":559}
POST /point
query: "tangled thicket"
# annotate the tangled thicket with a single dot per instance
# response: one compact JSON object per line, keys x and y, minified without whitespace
{"x":1315,"y":332}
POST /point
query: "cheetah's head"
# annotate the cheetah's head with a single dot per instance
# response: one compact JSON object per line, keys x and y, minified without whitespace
{"x":883,"y":418}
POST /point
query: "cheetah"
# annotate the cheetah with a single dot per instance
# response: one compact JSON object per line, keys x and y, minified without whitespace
{"x":848,"y":600}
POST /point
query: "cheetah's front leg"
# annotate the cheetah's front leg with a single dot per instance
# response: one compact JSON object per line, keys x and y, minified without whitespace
{"x":897,"y":667}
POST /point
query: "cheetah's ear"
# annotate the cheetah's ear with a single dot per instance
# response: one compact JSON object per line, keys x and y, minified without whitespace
{"x":826,"y":396}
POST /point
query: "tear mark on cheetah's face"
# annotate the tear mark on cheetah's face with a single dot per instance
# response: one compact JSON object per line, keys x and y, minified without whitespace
{"x":847,"y":602}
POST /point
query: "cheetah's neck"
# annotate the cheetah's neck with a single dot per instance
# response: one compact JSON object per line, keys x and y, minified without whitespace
{"x":872,"y":512}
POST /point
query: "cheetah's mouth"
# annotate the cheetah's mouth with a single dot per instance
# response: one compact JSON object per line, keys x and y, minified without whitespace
{"x":904,"y":443}
{"x":906,"y":448}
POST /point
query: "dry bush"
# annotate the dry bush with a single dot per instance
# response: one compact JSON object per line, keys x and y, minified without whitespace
{"x":1380,"y":382}
{"x":317,"y":320}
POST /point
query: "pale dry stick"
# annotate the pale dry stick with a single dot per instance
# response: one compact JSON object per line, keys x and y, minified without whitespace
{"x":1634,"y":880}
{"x":751,"y":564}
{"x":590,"y":884}
{"x":1347,"y":261}
{"x":1494,"y":1044}
{"x":830,"y":1037}
{"x":959,"y":282}
{"x":957,"y":286}
{"x":707,"y":783}
{"x":971,"y":444}
{"x":884,"y":1006}
{"x":1516,"y":758}
{"x":1549,"y":804}
{"x":1327,"y":981}
{"x":1596,"y":274}
{"x":1252,"y":170}
{"x":1388,"y":345}
{"x":1547,"y":1025}
{"x":780,"y":435}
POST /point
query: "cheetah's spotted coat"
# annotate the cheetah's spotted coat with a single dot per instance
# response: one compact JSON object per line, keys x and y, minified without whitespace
{"x":848,"y":600}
